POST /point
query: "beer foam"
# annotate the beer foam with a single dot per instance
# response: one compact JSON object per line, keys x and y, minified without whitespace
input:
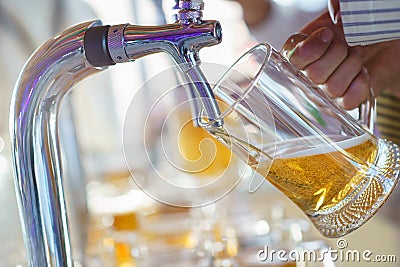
{"x":317,"y":145}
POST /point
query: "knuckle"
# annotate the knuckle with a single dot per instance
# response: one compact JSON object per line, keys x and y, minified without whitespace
{"x":349,"y":103}
{"x":356,"y":60}
{"x":359,"y":91}
{"x":309,"y":51}
{"x":361,"y":83}
{"x":293,"y":41}
{"x":316,"y":74}
{"x":333,"y":88}
{"x":340,"y":49}
{"x":293,"y":57}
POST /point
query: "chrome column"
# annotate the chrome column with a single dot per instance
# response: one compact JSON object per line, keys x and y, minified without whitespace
{"x":50,"y":73}
{"x":46,"y":78}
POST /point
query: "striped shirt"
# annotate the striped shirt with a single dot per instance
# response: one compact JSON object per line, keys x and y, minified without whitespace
{"x":370,"y":21}
{"x":388,"y":117}
{"x":388,"y":126}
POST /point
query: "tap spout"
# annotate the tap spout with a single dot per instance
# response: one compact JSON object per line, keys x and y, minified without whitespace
{"x":108,"y":45}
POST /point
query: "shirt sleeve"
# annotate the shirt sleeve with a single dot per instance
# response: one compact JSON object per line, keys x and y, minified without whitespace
{"x":370,"y":21}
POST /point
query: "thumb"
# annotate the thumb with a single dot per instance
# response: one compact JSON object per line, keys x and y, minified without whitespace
{"x":292,"y":43}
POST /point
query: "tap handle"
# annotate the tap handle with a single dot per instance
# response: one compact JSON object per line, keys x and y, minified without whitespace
{"x":104,"y":45}
{"x":96,"y":46}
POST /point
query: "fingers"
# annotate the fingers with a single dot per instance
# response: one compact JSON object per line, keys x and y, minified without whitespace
{"x":292,"y":43}
{"x":349,"y":82}
{"x":333,"y":59}
{"x":302,"y":53}
{"x":331,"y":64}
{"x":357,"y":92}
{"x":341,"y":78}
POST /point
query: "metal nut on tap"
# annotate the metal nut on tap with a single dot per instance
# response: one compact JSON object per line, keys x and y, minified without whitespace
{"x":190,"y":11}
{"x":116,"y":46}
{"x":191,"y":4}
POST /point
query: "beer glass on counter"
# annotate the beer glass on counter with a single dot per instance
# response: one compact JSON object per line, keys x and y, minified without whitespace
{"x":289,"y":131}
{"x":115,"y":206}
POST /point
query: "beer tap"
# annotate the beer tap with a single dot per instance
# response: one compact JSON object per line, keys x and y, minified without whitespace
{"x":50,"y":74}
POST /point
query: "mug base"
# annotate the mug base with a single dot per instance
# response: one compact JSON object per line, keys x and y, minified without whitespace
{"x":357,"y":208}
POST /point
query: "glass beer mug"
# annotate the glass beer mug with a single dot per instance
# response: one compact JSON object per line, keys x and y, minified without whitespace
{"x":293,"y":134}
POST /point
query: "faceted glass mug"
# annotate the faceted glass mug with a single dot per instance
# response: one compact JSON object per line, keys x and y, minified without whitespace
{"x":298,"y":138}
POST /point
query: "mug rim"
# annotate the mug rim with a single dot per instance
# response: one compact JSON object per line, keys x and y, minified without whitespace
{"x":265,"y":46}
{"x":268,"y":49}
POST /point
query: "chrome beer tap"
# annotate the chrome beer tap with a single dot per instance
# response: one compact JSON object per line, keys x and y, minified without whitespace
{"x":123,"y":43}
{"x":49,"y":75}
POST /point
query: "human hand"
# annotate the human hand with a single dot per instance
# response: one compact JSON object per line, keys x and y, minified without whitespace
{"x":321,"y":52}
{"x":347,"y":74}
{"x":381,"y":60}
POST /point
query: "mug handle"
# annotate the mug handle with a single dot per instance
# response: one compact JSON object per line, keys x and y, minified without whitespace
{"x":367,"y":113}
